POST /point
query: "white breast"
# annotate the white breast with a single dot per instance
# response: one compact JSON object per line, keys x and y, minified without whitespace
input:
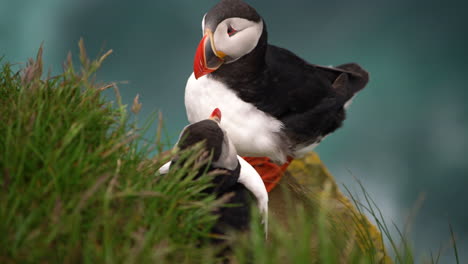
{"x":253,"y":132}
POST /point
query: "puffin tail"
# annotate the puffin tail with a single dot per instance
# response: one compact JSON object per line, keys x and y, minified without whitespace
{"x":347,"y":79}
{"x":357,"y":77}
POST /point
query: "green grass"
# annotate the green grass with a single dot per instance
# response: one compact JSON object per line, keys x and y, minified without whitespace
{"x":75,"y":185}
{"x":78,"y":185}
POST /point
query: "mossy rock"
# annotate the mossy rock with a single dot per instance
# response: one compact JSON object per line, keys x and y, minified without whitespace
{"x":308,"y":186}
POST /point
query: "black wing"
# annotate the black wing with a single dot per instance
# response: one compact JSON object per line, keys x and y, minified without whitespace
{"x":310,"y":98}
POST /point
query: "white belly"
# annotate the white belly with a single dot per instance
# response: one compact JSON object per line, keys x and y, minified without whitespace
{"x":253,"y":132}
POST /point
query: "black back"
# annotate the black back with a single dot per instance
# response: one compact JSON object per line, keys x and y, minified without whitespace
{"x":307,"y":98}
{"x":236,"y":216}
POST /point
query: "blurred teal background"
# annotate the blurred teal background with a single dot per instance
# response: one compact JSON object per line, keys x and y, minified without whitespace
{"x":406,"y":134}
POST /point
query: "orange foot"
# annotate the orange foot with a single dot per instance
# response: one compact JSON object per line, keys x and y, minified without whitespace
{"x":270,"y":172}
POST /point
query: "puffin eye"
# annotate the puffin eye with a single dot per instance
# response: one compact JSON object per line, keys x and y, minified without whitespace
{"x":231,"y":31}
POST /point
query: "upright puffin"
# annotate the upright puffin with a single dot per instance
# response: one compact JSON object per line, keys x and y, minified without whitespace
{"x":275,"y":104}
{"x":238,"y":176}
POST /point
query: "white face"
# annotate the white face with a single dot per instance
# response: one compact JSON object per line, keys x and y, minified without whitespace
{"x":236,"y":37}
{"x":228,"y":157}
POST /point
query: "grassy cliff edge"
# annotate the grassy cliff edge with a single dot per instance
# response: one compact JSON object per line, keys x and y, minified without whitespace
{"x":78,"y":185}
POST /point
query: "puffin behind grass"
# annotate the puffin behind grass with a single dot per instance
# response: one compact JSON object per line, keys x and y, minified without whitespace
{"x":276,"y":105}
{"x":236,"y":177}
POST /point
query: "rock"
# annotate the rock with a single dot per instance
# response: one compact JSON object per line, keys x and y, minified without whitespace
{"x":307,"y":186}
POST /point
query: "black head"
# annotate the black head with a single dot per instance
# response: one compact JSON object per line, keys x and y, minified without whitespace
{"x":228,"y":9}
{"x":232,"y":30}
{"x":207,"y":131}
{"x":216,"y":142}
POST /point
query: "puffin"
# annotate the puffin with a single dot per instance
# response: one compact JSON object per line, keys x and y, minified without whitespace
{"x":236,"y":175}
{"x":276,"y":106}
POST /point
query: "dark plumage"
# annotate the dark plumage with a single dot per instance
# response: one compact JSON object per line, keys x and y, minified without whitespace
{"x":308,"y":99}
{"x":230,"y":8}
{"x":232,"y":217}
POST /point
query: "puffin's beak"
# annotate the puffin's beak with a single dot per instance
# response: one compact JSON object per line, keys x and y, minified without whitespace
{"x":216,"y":115}
{"x":207,"y":58}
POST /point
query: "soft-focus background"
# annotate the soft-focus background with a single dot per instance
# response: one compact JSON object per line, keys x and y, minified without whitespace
{"x":406,"y":133}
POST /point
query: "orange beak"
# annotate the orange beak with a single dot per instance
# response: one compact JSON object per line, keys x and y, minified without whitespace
{"x":207,"y":58}
{"x":216,"y":115}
